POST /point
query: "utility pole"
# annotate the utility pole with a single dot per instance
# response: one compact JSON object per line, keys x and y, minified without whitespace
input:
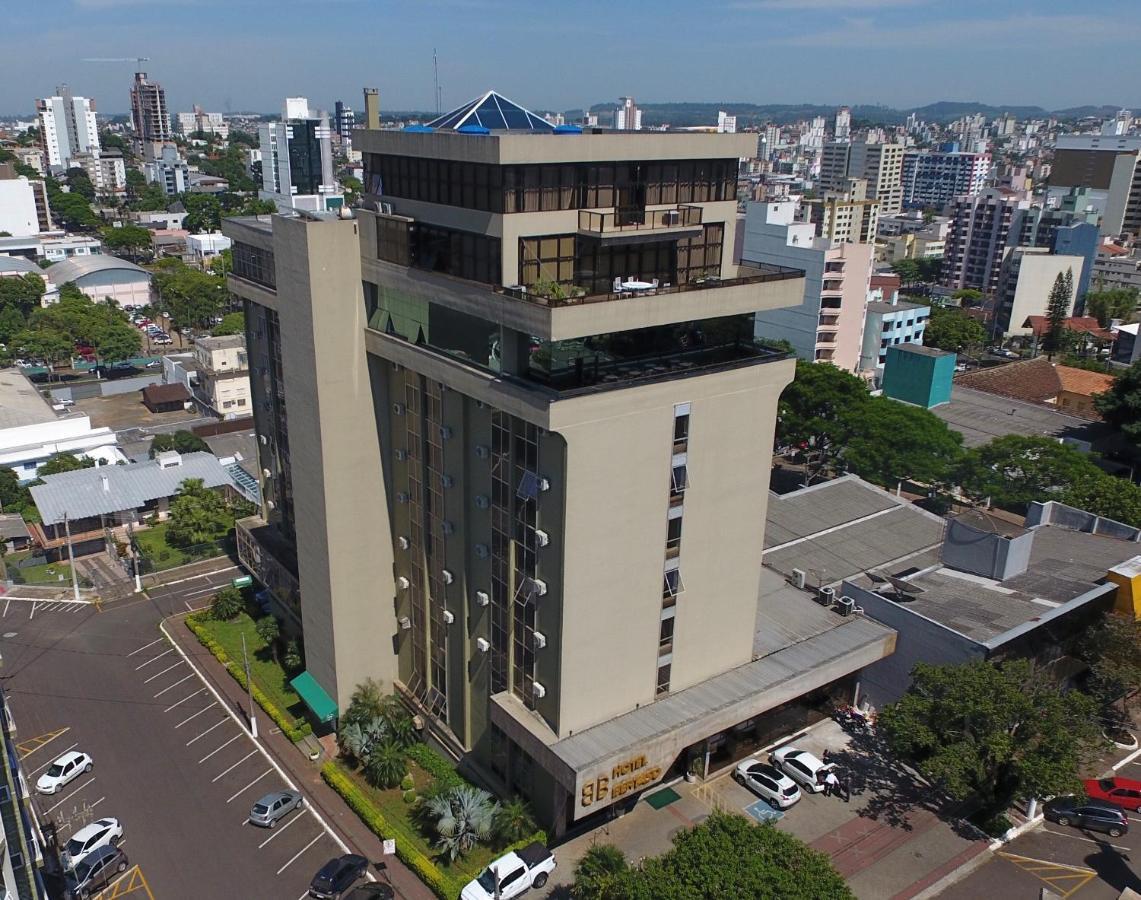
{"x":134,"y":556}
{"x":249,"y":689}
{"x":71,"y":559}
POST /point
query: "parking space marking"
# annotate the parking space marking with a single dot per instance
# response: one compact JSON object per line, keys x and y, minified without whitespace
{"x":131,"y":882}
{"x":250,"y":785}
{"x":72,"y":794}
{"x":145,"y":646}
{"x":207,"y":731}
{"x":1072,"y":877}
{"x":298,"y":854}
{"x":184,"y":699}
{"x":234,"y":766}
{"x":6,"y":605}
{"x":32,"y":614}
{"x":1086,"y":839}
{"x":176,"y":684}
{"x":197,"y":714}
{"x":223,"y":747}
{"x":300,"y":815}
{"x":163,"y":672}
{"x":31,"y":745}
{"x":50,"y":761}
{"x":160,"y":656}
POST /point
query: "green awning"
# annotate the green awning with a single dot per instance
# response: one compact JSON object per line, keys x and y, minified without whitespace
{"x":320,"y":704}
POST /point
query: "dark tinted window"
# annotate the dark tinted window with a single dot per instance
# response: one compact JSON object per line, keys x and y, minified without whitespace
{"x":511,"y":878}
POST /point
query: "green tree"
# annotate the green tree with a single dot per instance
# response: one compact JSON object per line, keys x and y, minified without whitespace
{"x":23,"y":293}
{"x":1058,"y":310}
{"x":227,"y":604}
{"x":386,"y":765}
{"x":818,"y":411}
{"x":12,"y":494}
{"x":953,"y":330}
{"x":198,"y":515}
{"x":1112,"y":303}
{"x":244,"y":138}
{"x":729,"y":856}
{"x":907,"y":270}
{"x":891,"y":441}
{"x":269,"y":631}
{"x":12,"y":322}
{"x":596,"y":872}
{"x":1120,"y":406}
{"x":513,"y":822}
{"x":180,"y":441}
{"x":1104,"y":495}
{"x":128,"y":239}
{"x":80,"y":183}
{"x":190,"y":296}
{"x":73,"y":212}
{"x":930,"y":268}
{"x":995,"y":732}
{"x":968,"y":296}
{"x":223,"y":263}
{"x":1112,"y":649}
{"x":366,"y":703}
{"x":204,"y":212}
{"x":117,"y":341}
{"x":45,"y":344}
{"x":232,"y":323}
{"x":464,"y":817}
{"x":64,"y":462}
{"x":294,"y":657}
{"x":1014,"y":470}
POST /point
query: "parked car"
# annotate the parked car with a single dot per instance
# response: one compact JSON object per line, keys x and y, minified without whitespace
{"x":1123,"y":792}
{"x":95,"y":873}
{"x":1081,"y":812}
{"x":768,"y":783}
{"x":512,"y":874}
{"x":103,"y":833}
{"x":272,"y":807}
{"x":337,"y":876}
{"x":801,"y":766}
{"x":63,"y":771}
{"x":163,"y":340}
{"x":154,"y":364}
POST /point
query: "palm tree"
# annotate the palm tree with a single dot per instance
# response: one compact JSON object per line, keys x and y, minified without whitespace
{"x":367,"y":702}
{"x":514,"y":821}
{"x":352,"y":741}
{"x":269,"y":631}
{"x":401,"y":729}
{"x":386,"y":765}
{"x":464,"y":817}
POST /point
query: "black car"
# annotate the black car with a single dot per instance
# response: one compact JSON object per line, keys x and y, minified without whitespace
{"x":1081,"y":812}
{"x":95,"y":872}
{"x":337,"y":876}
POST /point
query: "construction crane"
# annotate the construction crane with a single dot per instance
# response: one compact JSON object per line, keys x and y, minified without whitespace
{"x":138,"y":60}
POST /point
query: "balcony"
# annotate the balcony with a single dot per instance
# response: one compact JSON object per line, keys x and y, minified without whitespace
{"x":618,"y":223}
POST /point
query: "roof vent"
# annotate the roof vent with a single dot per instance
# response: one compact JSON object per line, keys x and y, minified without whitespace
{"x":168,"y":459}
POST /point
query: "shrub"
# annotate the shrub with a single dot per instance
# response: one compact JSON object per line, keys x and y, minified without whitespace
{"x":596,"y":870}
{"x":409,"y":797}
{"x":294,"y":658}
{"x":406,"y":783}
{"x":367,"y":702}
{"x":513,"y":821}
{"x":464,"y":817}
{"x":385,"y":766}
{"x":227,"y":604}
{"x":443,"y":772}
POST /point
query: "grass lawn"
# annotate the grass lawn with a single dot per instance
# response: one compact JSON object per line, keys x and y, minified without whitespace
{"x":392,"y":806}
{"x":268,"y":675}
{"x":49,"y":573}
{"x":161,"y":555}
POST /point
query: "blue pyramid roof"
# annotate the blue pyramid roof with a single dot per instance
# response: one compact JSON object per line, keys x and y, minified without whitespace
{"x":493,"y":112}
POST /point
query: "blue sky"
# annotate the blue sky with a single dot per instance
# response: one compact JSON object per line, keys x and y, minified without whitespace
{"x":248,"y":54}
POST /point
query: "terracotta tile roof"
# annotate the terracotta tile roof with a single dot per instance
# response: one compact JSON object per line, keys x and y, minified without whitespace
{"x":1109,"y":249}
{"x":1079,"y":381}
{"x":1039,"y":325}
{"x":166,"y":393}
{"x":1031,"y":380}
{"x":885,"y":281}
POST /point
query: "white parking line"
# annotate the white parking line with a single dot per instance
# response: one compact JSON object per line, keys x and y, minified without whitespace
{"x":6,"y":605}
{"x":197,"y":714}
{"x":50,"y":761}
{"x":176,"y":684}
{"x":298,"y":853}
{"x":1086,"y":839}
{"x":160,"y":656}
{"x":144,"y":647}
{"x":250,"y":785}
{"x":278,"y":831}
{"x":184,"y":699}
{"x":163,"y":672}
{"x":234,"y":766}
{"x":72,"y":794}
{"x":223,"y":747}
{"x":32,"y":614}
{"x":206,"y":732}
{"x":96,"y":803}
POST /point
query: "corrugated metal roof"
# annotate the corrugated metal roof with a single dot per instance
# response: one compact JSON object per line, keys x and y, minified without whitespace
{"x":20,"y":264}
{"x":110,"y":489}
{"x":78,"y":266}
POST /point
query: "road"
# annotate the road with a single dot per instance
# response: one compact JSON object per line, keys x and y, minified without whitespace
{"x":172,"y":762}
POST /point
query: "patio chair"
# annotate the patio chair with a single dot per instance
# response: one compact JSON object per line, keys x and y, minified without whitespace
{"x":617,"y":284}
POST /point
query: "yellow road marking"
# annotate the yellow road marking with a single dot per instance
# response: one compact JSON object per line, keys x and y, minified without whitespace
{"x":31,"y":745}
{"x":131,"y":882}
{"x":1069,"y":879}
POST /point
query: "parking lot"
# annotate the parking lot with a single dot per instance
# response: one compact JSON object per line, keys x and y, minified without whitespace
{"x":1071,"y":862}
{"x":172,"y":762}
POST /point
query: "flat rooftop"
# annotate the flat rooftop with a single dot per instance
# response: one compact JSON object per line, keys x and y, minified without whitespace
{"x":20,"y":403}
{"x":842,"y":528}
{"x":980,"y":417}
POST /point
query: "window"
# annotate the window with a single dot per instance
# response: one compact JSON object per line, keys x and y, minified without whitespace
{"x":698,"y":257}
{"x":663,"y":679}
{"x":673,"y":537}
{"x":681,"y":426}
{"x":671,"y":583}
{"x":547,"y":258}
{"x":679,"y":479}
{"x":666,"y":635}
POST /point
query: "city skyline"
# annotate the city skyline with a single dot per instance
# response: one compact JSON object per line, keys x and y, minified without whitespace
{"x":901,"y":53}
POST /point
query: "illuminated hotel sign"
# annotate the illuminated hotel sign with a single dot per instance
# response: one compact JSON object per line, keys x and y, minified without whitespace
{"x":622,"y":778}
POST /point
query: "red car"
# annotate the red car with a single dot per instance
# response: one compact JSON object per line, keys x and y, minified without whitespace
{"x":1123,"y":792}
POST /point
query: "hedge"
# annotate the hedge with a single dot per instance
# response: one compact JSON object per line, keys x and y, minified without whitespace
{"x":442,"y":771}
{"x":279,"y":718}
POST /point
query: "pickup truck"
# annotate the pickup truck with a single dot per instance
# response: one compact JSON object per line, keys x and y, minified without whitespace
{"x":512,"y":874}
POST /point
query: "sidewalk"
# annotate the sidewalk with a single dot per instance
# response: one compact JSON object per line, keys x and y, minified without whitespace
{"x":307,"y":774}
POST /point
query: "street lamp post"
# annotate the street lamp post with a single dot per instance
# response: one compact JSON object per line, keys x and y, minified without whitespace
{"x":249,"y":689}
{"x":71,"y":559}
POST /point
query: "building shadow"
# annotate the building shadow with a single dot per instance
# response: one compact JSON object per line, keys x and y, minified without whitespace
{"x":1112,"y":865}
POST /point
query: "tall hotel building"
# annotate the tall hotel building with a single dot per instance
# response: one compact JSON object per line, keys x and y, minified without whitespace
{"x":515,"y":435}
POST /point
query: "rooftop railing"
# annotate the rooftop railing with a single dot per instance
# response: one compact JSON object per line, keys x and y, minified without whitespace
{"x":623,"y":221}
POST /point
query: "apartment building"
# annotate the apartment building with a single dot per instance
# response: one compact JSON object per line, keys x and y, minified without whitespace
{"x":881,"y":165}
{"x":148,"y":111}
{"x":297,"y":159}
{"x":983,"y":228}
{"x":67,"y":127}
{"x":845,"y":216}
{"x":197,"y":120}
{"x":19,"y":215}
{"x":1027,"y":276}
{"x":223,"y":375}
{"x":107,"y":171}
{"x":21,"y":842}
{"x":890,"y":323}
{"x":165,"y":167}
{"x":936,"y":178}
{"x":1108,"y":166}
{"x":344,"y":120}
{"x":505,"y":414}
{"x":827,"y":324}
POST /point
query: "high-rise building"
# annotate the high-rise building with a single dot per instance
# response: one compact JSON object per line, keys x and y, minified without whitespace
{"x":197,"y":120}
{"x":1108,"y":166}
{"x":627,"y":116}
{"x":344,"y":120}
{"x":165,"y":167}
{"x":843,"y":129}
{"x":1026,"y":278}
{"x":513,"y":425}
{"x":983,"y":228}
{"x":845,"y":216}
{"x":67,"y":127}
{"x":881,"y":165}
{"x":935,"y":178}
{"x":21,"y":856}
{"x":297,"y":159}
{"x":19,"y":216}
{"x":726,"y":124}
{"x":148,"y":111}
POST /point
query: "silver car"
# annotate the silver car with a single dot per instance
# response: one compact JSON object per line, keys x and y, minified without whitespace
{"x":272,"y":807}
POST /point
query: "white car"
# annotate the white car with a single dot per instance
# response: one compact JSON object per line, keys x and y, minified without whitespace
{"x":768,"y":783}
{"x":103,"y":833}
{"x":63,"y":771}
{"x":802,"y":767}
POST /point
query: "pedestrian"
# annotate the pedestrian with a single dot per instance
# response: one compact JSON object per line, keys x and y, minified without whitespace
{"x":846,"y":789}
{"x":831,"y":783}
